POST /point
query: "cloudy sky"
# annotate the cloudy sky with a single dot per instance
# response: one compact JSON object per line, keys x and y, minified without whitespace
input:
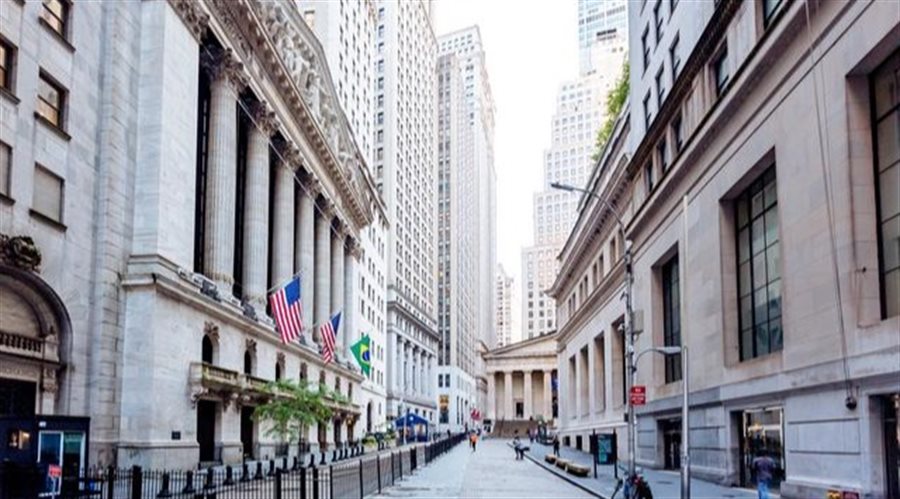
{"x":531,"y":47}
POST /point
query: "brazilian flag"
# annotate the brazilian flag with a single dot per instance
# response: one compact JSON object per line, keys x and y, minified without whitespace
{"x":360,"y":350}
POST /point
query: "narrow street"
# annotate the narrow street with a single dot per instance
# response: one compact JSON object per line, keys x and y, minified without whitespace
{"x":491,"y":471}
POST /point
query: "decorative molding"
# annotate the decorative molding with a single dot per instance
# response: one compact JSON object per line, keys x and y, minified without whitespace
{"x":221,"y":65}
{"x":20,"y":252}
{"x":212,"y":330}
{"x":193,"y":16}
{"x":250,"y":345}
{"x":280,"y":358}
{"x":264,"y":118}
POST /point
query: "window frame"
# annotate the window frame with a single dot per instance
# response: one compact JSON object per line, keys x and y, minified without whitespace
{"x":658,"y":21}
{"x":65,"y":21}
{"x":6,"y":183}
{"x":62,"y":197}
{"x":718,"y":64}
{"x":674,"y":57}
{"x":660,"y":87}
{"x":677,"y":126}
{"x":767,"y":17}
{"x":62,"y":109}
{"x":874,"y":120}
{"x":646,"y":47}
{"x":8,"y":81}
{"x":759,"y":186}
{"x":671,"y":280}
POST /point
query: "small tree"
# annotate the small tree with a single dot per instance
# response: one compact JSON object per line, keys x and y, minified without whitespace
{"x":615,"y":100}
{"x":292,"y":407}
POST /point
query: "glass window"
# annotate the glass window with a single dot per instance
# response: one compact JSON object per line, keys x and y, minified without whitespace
{"x":770,"y":8}
{"x":5,"y":167}
{"x":649,"y":181}
{"x":51,"y":101}
{"x":647,"y":115}
{"x":657,"y":18}
{"x":48,"y":194}
{"x":7,"y":61}
{"x":672,"y":317}
{"x":56,"y":15}
{"x":662,"y":154}
{"x":646,"y":47}
{"x":886,"y":122}
{"x":759,"y":268}
{"x":677,"y":132}
{"x":720,"y":70}
{"x":674,"y":57}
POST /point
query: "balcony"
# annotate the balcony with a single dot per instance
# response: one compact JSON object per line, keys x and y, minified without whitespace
{"x":21,"y":346}
{"x":215,"y":378}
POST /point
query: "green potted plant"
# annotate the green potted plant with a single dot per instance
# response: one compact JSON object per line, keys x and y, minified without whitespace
{"x":369,"y":443}
{"x":291,"y":408}
{"x":390,"y":437}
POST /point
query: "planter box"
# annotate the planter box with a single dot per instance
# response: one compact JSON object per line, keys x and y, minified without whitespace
{"x":550,"y":458}
{"x":562,"y":463}
{"x":577,"y":470}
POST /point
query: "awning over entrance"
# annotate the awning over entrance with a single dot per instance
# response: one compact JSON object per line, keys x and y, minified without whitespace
{"x":410,"y":420}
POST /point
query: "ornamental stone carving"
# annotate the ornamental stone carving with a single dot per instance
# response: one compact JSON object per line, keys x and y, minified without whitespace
{"x":212,"y":330}
{"x":264,"y":118}
{"x":20,"y":252}
{"x":250,"y":345}
{"x":192,"y":15}
{"x":221,"y":64}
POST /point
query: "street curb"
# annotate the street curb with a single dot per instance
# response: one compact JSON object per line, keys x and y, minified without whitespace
{"x":562,"y":475}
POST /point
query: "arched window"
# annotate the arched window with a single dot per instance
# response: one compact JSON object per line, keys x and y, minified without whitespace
{"x":207,"y":355}
{"x":337,"y":385}
{"x":248,"y":362}
{"x":321,"y":377}
{"x":277,"y":371}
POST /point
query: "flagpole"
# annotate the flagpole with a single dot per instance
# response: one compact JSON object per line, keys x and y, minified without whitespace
{"x":282,"y":283}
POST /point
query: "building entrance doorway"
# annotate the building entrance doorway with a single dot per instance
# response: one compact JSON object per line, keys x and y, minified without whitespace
{"x":337,"y":432}
{"x":17,"y":398}
{"x":671,"y":435}
{"x":247,"y":432}
{"x":891,"y":419}
{"x":762,"y":433}
{"x":206,"y":430}
{"x":520,"y":409}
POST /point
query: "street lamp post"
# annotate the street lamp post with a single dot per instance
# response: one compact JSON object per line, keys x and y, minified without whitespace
{"x":685,"y":427}
{"x":629,"y":321}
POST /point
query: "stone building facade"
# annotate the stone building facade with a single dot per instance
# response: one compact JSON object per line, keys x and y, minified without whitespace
{"x":169,"y":181}
{"x":759,"y":198}
{"x":521,"y":381}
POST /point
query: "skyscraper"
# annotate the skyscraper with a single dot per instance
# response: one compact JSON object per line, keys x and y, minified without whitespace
{"x":347,"y":32}
{"x":466,"y":192}
{"x":405,"y":169}
{"x":580,"y":110}
{"x":599,"y":22}
{"x":507,"y":299}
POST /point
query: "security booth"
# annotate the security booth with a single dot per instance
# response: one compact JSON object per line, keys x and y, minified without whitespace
{"x":51,"y":452}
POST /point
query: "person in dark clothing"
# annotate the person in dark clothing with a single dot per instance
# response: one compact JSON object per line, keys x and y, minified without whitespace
{"x":764,"y":466}
{"x":556,"y":445}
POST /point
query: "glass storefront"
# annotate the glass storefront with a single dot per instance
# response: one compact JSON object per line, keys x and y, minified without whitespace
{"x":762,"y":434}
{"x":891,"y":419}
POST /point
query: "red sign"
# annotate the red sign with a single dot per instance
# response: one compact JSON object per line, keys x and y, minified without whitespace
{"x":638,"y":395}
{"x":54,"y":471}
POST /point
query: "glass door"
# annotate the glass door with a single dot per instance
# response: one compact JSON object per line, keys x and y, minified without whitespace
{"x":762,"y":435}
{"x":50,"y":458}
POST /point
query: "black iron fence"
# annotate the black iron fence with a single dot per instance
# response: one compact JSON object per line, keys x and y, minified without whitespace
{"x":350,"y":475}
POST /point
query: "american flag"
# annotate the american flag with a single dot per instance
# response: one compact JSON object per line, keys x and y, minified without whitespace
{"x":288,"y":310}
{"x":328,"y":332}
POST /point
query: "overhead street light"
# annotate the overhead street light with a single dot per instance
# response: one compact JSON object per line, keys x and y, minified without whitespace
{"x":629,"y":318}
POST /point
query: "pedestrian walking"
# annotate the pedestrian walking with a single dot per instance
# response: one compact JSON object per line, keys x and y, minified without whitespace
{"x":473,"y":440}
{"x":517,"y":446}
{"x":556,"y":445}
{"x":531,"y":433}
{"x":763,"y":466}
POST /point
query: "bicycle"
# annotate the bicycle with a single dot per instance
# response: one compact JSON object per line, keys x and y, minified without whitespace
{"x":633,"y":488}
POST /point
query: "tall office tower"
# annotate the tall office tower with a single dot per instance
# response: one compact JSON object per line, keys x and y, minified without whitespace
{"x":466,"y":192}
{"x":507,"y":299}
{"x":600,"y":23}
{"x":405,"y":171}
{"x":580,"y":110}
{"x":347,"y":33}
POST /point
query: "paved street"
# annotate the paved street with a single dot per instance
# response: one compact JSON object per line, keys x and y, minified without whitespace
{"x":665,"y":484}
{"x":491,"y":471}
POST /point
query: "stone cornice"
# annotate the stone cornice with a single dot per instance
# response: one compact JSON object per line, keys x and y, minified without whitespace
{"x":193,"y":16}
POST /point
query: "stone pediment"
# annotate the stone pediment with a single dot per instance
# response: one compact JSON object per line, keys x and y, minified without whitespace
{"x":540,"y":346}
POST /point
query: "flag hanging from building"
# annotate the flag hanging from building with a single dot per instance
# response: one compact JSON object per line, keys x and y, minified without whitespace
{"x":288,"y":310}
{"x":360,"y":350}
{"x":329,"y":332}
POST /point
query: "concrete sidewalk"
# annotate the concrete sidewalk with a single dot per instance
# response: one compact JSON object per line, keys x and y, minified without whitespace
{"x":664,"y":484}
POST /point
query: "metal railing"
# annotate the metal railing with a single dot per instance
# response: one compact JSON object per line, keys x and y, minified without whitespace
{"x":358,"y":474}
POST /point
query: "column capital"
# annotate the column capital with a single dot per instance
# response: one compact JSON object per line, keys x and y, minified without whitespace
{"x":354,"y":247}
{"x":193,"y":16}
{"x":221,"y":64}
{"x":327,"y":210}
{"x":310,"y":184}
{"x":264,"y":118}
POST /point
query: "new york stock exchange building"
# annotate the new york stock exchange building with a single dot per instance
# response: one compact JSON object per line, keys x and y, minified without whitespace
{"x":163,"y":165}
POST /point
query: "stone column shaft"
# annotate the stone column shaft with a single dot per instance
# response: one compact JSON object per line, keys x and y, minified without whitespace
{"x":490,"y":410}
{"x":508,"y":412}
{"x":323,"y":271}
{"x":548,"y":395}
{"x":350,"y":300}
{"x":304,"y":248}
{"x":337,"y":288}
{"x":221,"y":174}
{"x":527,"y":403}
{"x":256,"y":218}
{"x":283,"y":223}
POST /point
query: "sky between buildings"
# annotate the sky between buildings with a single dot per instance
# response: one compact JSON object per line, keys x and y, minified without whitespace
{"x":531,"y":47}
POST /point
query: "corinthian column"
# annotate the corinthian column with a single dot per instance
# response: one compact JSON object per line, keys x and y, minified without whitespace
{"x":256,"y":206}
{"x":337,"y":283}
{"x":283,"y":216}
{"x":508,"y":412}
{"x":323,"y":261}
{"x":226,"y":80}
{"x":304,"y":245}
{"x":350,"y":309}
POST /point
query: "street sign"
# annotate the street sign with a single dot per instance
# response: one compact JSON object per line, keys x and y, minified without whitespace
{"x":54,"y":471}
{"x":638,"y":395}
